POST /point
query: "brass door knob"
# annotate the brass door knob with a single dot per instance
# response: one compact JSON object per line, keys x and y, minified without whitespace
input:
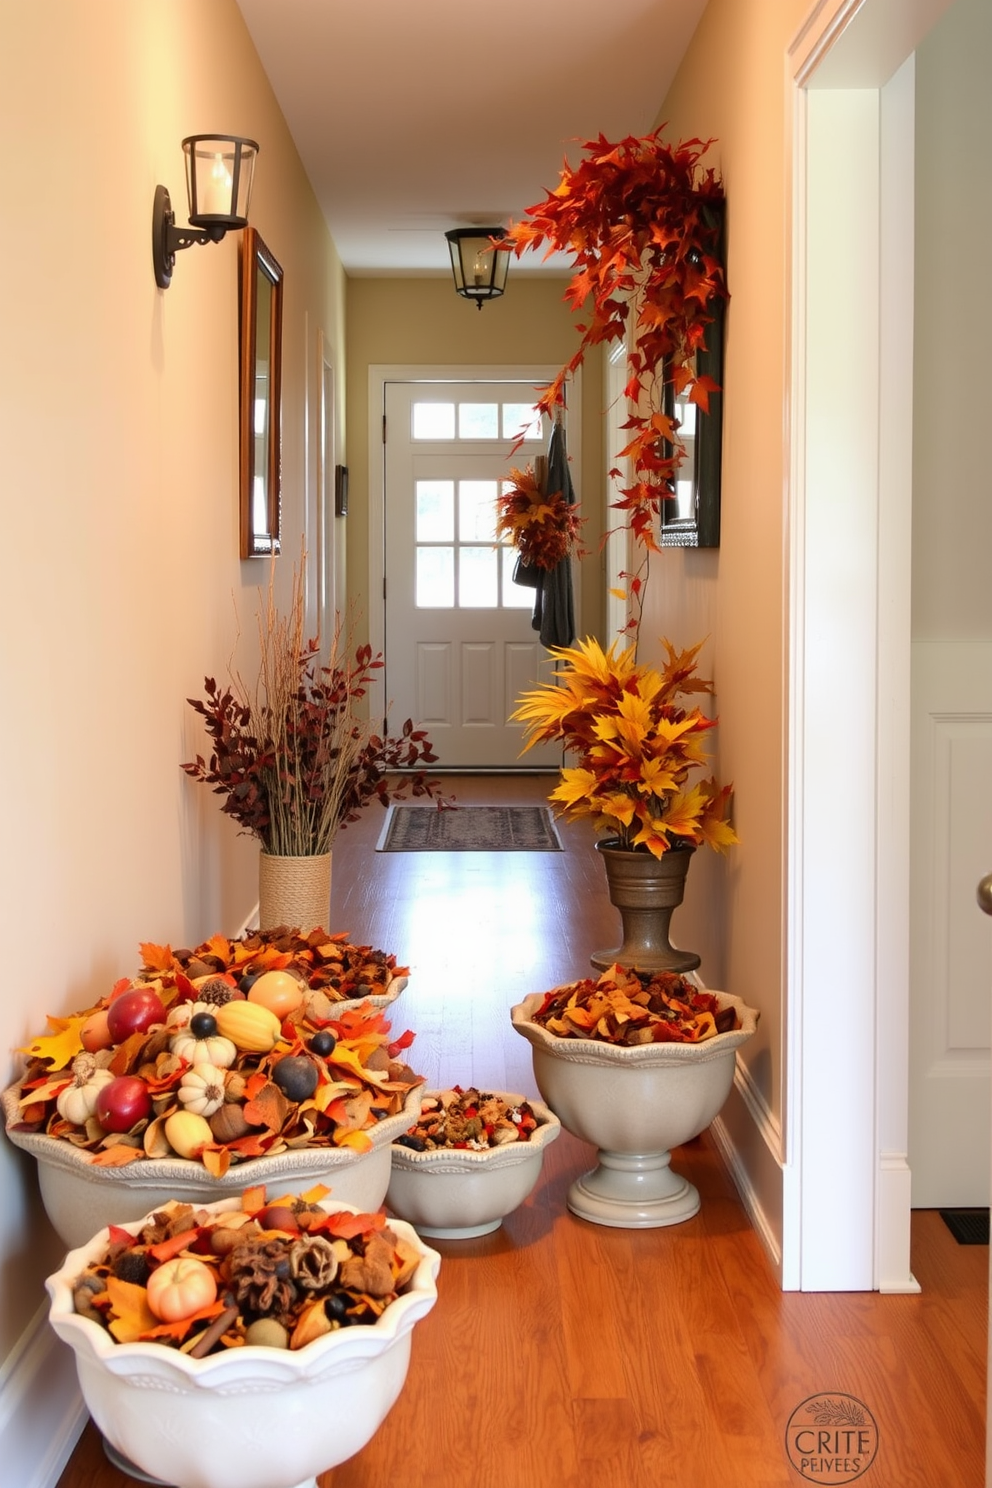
{"x":984,"y":893}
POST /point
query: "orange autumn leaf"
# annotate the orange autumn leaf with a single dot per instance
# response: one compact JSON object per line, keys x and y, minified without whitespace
{"x":268,"y":1108}
{"x":181,"y":1327}
{"x":255,"y":1083}
{"x":157,"y":958}
{"x":357,"y":1140}
{"x":253,"y":1145}
{"x":133,"y":1317}
{"x":345,"y":1226}
{"x":253,"y":1199}
{"x":216,"y":1159}
{"x":117,"y":1156}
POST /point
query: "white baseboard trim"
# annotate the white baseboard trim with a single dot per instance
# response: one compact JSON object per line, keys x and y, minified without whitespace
{"x":892,"y":1230}
{"x":749,"y":1139}
{"x":41,"y":1410}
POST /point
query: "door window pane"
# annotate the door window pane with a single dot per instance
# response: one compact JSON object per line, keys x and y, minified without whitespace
{"x":477,"y":511}
{"x":515,"y":596}
{"x":478,"y":421}
{"x":433,"y":420}
{"x":521,"y":420}
{"x":477,"y":579}
{"x":435,"y":578}
{"x":435,"y":511}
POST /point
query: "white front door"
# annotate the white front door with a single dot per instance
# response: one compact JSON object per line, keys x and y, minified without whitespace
{"x":460,"y":645}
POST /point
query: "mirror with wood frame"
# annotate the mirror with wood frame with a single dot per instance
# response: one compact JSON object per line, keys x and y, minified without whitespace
{"x":261,"y":378}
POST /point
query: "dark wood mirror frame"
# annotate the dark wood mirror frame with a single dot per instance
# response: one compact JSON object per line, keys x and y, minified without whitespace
{"x":261,"y":396}
{"x":695,"y":523}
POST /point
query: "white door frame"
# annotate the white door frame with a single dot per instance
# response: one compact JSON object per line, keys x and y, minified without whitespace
{"x":379,"y":375}
{"x":846,"y":1190}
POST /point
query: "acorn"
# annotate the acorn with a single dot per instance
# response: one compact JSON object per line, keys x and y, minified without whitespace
{"x":228,"y":1123}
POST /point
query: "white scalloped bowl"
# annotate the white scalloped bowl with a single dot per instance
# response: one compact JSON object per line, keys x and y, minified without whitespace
{"x":248,"y":1417}
{"x":453,"y":1193}
{"x":633,"y":1103}
{"x":80,"y":1199}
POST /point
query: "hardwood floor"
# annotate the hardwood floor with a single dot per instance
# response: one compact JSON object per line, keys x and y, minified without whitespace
{"x":563,"y":1354}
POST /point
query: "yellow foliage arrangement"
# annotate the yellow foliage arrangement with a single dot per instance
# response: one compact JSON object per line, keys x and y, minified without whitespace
{"x":636,"y":747}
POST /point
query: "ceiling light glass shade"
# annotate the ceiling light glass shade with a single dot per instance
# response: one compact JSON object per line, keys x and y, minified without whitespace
{"x":479,"y":268}
{"x":219,"y":172}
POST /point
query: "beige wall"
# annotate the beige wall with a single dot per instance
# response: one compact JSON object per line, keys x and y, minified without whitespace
{"x":119,"y":429}
{"x":952,"y":510}
{"x":424,"y":322}
{"x":730,"y":88}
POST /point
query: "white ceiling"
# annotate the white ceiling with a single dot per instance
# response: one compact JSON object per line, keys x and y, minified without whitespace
{"x":415,"y":116}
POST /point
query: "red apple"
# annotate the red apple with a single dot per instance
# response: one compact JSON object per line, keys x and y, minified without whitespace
{"x":122,"y":1102}
{"x":134,"y":1012}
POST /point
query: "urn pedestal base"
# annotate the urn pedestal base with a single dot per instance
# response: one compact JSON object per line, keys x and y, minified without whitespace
{"x":633,"y":1191}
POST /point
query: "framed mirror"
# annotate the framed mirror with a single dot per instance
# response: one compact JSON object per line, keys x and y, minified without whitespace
{"x":261,"y":387}
{"x":692,"y":518}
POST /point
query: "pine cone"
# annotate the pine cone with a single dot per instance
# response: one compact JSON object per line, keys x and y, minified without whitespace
{"x":258,"y":1276}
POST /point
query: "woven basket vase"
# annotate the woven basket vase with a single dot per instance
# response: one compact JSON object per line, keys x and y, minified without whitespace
{"x":294,"y":892}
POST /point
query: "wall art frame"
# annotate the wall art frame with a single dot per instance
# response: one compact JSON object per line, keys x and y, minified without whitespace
{"x":260,"y":397}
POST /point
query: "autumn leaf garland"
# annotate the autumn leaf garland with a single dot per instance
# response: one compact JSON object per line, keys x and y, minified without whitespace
{"x":643,"y":223}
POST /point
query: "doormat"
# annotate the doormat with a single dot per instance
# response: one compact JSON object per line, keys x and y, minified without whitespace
{"x":469,"y":829}
{"x":968,"y":1226}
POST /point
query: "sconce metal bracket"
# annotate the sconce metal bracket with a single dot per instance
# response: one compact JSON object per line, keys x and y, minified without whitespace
{"x":168,"y":239}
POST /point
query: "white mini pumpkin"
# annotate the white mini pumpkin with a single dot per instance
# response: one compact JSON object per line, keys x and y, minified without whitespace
{"x":201,"y":1089}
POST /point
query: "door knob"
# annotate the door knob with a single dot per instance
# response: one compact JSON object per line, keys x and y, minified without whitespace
{"x":984,"y":893}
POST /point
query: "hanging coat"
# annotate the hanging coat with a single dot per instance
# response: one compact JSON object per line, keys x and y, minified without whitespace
{"x":554,"y":605}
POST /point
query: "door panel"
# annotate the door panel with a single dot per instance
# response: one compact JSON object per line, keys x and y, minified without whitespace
{"x":950,"y":940}
{"x":460,"y":646}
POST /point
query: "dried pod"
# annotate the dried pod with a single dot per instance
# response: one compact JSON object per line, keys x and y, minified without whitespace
{"x":312,"y":1263}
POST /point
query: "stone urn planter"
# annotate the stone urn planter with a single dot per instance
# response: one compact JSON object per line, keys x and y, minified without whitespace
{"x":634,"y":1103}
{"x":645,"y":890}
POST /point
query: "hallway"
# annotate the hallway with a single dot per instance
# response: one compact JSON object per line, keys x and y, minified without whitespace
{"x":563,"y":1354}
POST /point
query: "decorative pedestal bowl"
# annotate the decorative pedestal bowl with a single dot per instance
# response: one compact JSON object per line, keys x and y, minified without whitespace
{"x":248,"y":1417}
{"x":80,"y":1199}
{"x":634,"y":1103}
{"x":453,"y":1193}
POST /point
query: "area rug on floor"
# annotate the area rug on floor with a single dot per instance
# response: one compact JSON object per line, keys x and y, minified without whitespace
{"x":968,"y":1226}
{"x":469,"y":829}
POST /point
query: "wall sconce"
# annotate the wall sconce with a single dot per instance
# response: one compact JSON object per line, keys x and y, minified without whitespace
{"x":478,"y":267}
{"x":219,"y":171}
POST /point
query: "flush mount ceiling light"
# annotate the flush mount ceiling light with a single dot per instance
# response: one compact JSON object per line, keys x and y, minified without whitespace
{"x":479,"y":268}
{"x":219,"y":170}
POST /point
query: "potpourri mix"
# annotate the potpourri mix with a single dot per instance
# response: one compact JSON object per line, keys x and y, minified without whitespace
{"x":328,"y":963}
{"x":473,"y":1119}
{"x":631,"y":1007}
{"x":230,"y":1066}
{"x":274,"y":1274}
